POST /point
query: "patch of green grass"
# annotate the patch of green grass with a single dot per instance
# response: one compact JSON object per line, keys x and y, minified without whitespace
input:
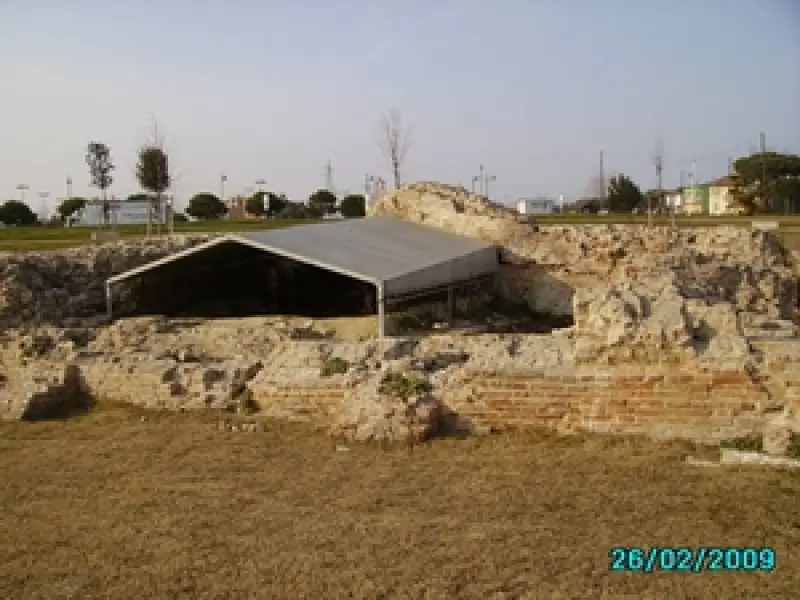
{"x":785,"y":221}
{"x":19,"y":239}
{"x":793,"y":451}
{"x":748,"y":443}
{"x":403,"y":386}
{"x":334,"y":366}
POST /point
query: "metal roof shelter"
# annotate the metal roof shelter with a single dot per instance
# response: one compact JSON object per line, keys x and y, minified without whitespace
{"x":398,"y":257}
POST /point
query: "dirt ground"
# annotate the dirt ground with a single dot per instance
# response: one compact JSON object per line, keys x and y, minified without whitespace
{"x":109,"y":506}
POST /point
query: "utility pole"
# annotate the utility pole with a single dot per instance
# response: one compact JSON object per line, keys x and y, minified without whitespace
{"x":487,"y":179}
{"x":658,"y":161}
{"x":329,"y":176}
{"x":222,"y":181}
{"x":482,"y":179}
{"x":475,"y":180}
{"x":682,"y":192}
{"x":602,"y":177}
{"x":69,"y":187}
{"x":763,"y":145}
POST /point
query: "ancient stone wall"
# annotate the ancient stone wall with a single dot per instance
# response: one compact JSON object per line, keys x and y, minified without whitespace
{"x":475,"y":382}
{"x":676,"y":334}
{"x":61,"y":287}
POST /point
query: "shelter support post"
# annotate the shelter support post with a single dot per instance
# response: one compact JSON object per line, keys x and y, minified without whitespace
{"x":451,"y":303}
{"x":381,"y":313}
{"x":109,"y":301}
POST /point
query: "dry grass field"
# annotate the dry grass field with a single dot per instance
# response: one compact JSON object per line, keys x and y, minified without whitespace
{"x":109,"y":506}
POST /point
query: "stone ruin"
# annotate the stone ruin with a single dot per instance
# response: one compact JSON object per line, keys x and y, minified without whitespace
{"x":638,"y":296}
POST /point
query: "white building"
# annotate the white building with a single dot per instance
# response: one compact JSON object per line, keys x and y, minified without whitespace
{"x":674,"y":201}
{"x":536,"y":206}
{"x":120,"y":213}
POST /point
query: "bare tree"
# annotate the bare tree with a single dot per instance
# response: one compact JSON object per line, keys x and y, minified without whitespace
{"x":394,"y":139}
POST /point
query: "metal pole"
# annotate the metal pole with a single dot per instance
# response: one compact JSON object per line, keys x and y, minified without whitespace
{"x":381,"y":313}
{"x":109,"y":301}
{"x":763,"y":186}
{"x":481,"y":179}
{"x":43,"y":196}
{"x":69,"y":187}
{"x":486,"y":186}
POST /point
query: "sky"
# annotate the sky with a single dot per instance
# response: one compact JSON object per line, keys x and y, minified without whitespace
{"x":273,"y":89}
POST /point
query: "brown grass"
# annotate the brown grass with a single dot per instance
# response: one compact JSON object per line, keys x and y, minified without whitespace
{"x":108,"y":506}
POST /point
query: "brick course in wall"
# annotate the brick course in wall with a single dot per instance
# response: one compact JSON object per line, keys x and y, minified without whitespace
{"x":316,"y":401}
{"x":703,"y":406}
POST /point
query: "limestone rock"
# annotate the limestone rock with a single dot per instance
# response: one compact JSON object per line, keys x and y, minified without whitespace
{"x":43,"y":391}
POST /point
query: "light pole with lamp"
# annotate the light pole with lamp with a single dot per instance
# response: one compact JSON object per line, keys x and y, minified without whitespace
{"x":22,"y":188}
{"x":43,"y":196}
{"x":265,"y":199}
{"x":487,"y":178}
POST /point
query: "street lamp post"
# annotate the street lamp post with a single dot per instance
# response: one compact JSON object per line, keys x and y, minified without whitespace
{"x":265,"y":199}
{"x":487,"y":179}
{"x":222,"y":180}
{"x":22,"y":188}
{"x":475,"y":180}
{"x":69,"y":187}
{"x":43,"y":196}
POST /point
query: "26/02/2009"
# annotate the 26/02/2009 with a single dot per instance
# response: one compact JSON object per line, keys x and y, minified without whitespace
{"x":682,"y":559}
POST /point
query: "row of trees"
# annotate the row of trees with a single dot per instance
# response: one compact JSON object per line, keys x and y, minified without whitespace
{"x":206,"y":205}
{"x":155,"y":178}
{"x":767,"y":182}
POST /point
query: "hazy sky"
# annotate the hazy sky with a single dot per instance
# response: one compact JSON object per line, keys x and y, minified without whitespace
{"x":274,"y":88}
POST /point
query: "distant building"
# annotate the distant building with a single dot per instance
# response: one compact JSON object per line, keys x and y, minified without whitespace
{"x":120,"y":213}
{"x":673,"y":200}
{"x":711,"y":198}
{"x":536,"y":206}
{"x":720,"y":201}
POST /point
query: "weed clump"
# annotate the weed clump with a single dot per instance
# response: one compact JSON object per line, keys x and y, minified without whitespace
{"x":334,"y":366}
{"x":403,"y":386}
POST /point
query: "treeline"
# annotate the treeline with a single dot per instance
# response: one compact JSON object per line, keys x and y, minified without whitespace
{"x":766,"y":182}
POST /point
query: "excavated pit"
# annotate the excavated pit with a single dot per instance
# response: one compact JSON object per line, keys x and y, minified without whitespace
{"x":232,"y":280}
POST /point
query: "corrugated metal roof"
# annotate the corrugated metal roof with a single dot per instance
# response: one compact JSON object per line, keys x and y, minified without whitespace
{"x":379,"y":248}
{"x":402,"y":257}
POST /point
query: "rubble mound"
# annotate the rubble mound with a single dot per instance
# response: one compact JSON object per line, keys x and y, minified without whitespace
{"x":453,"y":209}
{"x":635,"y":293}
